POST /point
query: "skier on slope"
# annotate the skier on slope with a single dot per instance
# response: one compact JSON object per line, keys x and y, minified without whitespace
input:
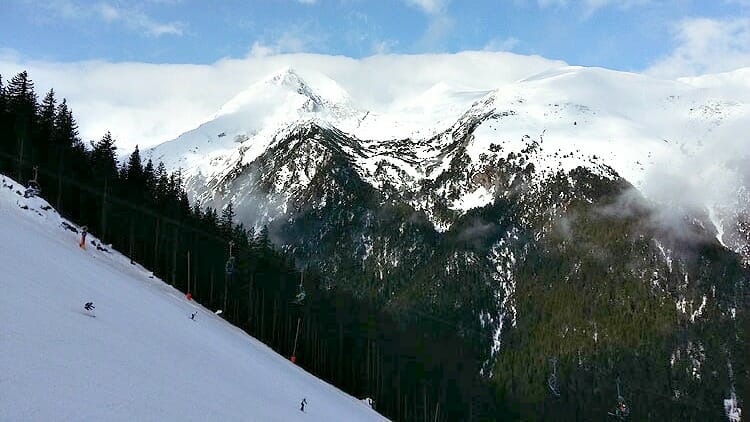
{"x":84,"y":232}
{"x":192,"y":316}
{"x":89,"y":306}
{"x":302,"y":405}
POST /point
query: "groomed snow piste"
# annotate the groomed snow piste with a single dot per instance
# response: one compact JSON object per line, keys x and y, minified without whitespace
{"x":141,"y":358}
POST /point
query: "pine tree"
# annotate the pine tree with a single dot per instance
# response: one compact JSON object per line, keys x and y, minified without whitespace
{"x":22,"y":104}
{"x":47,"y":114}
{"x":44,"y":153}
{"x":6,"y":138}
{"x":227,"y":220}
{"x":149,"y":180}
{"x":21,"y":96}
{"x":162,"y":185}
{"x":104,"y":168}
{"x":104,"y":159}
{"x":134,"y":171}
{"x":263,"y":240}
{"x":66,"y":128}
{"x":2,"y":97}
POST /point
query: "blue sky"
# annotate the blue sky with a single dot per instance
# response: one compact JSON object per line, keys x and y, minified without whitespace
{"x":618,"y":34}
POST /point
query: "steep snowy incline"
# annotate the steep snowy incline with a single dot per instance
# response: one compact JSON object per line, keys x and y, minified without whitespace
{"x":141,"y":358}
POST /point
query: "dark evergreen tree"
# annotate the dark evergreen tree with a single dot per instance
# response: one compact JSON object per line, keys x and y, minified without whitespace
{"x":135,"y":168}
{"x":104,"y":159}
{"x":6,"y":138}
{"x":149,"y":179}
{"x":22,"y":105}
{"x":227,"y":220}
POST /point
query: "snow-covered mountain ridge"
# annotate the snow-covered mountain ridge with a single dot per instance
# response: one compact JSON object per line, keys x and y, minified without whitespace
{"x":614,"y":123}
{"x":141,"y":357}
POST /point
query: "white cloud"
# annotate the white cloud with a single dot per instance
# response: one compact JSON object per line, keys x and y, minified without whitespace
{"x":299,"y":40}
{"x":431,"y":7}
{"x":131,"y":17}
{"x":439,"y":28}
{"x":136,"y":20}
{"x":150,"y":103}
{"x":590,"y":6}
{"x":440,"y":22}
{"x":552,"y":3}
{"x":497,"y":44}
{"x":383,"y":46}
{"x":706,"y":46}
{"x":622,"y":4}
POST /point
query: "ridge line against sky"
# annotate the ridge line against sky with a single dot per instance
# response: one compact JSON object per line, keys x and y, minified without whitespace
{"x":115,"y":59}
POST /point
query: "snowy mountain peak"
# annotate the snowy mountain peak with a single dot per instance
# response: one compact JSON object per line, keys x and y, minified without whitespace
{"x":285,"y":76}
{"x":287,"y":88}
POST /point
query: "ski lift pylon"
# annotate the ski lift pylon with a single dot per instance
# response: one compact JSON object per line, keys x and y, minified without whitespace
{"x":300,"y":291}
{"x":230,"y":266}
{"x":552,"y":380}
{"x":300,"y":295}
{"x":32,"y":188}
{"x":621,"y":410}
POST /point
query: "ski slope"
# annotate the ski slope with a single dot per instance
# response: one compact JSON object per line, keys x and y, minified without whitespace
{"x":141,"y":357}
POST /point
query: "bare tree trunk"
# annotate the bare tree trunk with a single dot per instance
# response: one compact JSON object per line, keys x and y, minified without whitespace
{"x":20,"y":159}
{"x":156,"y":242}
{"x":104,"y":212}
{"x":226,"y":288}
{"x":341,"y":350}
{"x":211,"y":292}
{"x":132,"y":240}
{"x":174,"y":258}
{"x":195,"y":282}
{"x":250,"y":300}
{"x":262,"y":314}
{"x":188,"y":272}
{"x":59,"y":182}
{"x":273,"y":324}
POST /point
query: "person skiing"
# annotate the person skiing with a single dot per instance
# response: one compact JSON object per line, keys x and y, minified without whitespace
{"x":84,"y":231}
{"x":89,"y":306}
{"x":302,"y":405}
{"x":192,"y":316}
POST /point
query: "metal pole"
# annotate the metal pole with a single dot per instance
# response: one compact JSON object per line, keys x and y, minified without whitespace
{"x":294,"y":351}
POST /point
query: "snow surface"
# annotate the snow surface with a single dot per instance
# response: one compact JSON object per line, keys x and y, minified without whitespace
{"x":141,"y":357}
